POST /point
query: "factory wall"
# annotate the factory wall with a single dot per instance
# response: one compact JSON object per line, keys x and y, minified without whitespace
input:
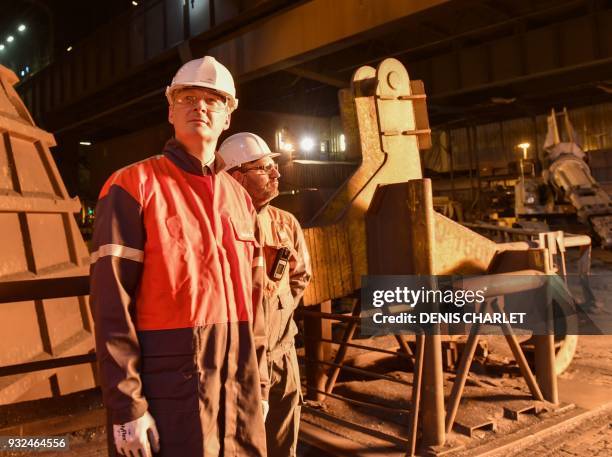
{"x":266,"y":124}
{"x":106,"y":157}
{"x":494,"y":145}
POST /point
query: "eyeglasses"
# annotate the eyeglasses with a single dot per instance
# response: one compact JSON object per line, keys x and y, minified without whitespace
{"x":212,"y":103}
{"x":267,"y":168}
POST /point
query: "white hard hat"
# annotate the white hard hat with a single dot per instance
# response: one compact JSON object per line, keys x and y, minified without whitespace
{"x":242,"y":148}
{"x":205,"y":72}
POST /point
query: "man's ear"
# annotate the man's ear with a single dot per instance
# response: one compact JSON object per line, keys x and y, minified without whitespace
{"x":227,"y":121}
{"x":171,"y":114}
{"x":237,"y":175}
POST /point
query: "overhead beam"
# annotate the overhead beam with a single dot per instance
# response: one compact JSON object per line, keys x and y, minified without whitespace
{"x":535,"y":54}
{"x":315,"y":76}
{"x":437,"y":30}
{"x":497,"y":9}
{"x":312,"y":29}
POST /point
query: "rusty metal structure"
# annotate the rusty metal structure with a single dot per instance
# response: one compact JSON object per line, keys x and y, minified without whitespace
{"x":557,"y":244}
{"x":382,"y":221}
{"x":569,"y":174}
{"x":40,"y":241}
{"x":566,"y":184}
{"x":400,"y":108}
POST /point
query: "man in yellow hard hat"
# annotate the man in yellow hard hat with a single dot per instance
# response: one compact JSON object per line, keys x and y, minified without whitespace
{"x":249,"y":160}
{"x":176,"y":276}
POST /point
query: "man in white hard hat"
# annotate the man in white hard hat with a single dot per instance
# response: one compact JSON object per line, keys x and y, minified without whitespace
{"x":249,"y":160}
{"x":176,"y":277}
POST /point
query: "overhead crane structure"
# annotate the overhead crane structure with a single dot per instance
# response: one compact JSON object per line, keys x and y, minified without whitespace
{"x":482,"y":61}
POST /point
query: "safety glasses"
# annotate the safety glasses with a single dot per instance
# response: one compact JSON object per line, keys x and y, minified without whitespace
{"x":267,"y":168}
{"x":212,"y":102}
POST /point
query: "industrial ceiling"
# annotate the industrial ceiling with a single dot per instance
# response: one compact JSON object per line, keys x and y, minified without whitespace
{"x":481,"y":60}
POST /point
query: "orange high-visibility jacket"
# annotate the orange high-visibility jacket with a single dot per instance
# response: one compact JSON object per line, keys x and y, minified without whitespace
{"x":172,"y":293}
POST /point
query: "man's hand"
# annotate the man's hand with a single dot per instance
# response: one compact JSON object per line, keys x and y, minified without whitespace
{"x":132,"y":439}
{"x":265,"y":407}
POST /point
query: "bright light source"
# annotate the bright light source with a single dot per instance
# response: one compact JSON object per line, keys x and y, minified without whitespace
{"x":342,"y":142}
{"x":21,"y":28}
{"x":9,"y":39}
{"x":524,"y":147}
{"x":22,"y":73}
{"x":134,"y":3}
{"x":69,"y":48}
{"x":27,"y":69}
{"x":286,"y":147}
{"x":280,"y":143}
{"x":1,"y":47}
{"x":85,"y":143}
{"x":307,"y":144}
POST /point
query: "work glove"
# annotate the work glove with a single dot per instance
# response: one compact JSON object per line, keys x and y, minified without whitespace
{"x":135,"y":438}
{"x":265,"y":407}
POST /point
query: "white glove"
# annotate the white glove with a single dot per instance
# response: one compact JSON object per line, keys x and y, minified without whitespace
{"x":132,"y":438}
{"x":265,"y":407}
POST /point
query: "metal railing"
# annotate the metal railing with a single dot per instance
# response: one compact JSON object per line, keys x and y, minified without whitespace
{"x":331,"y":369}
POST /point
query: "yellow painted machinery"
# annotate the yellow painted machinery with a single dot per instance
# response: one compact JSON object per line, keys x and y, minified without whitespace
{"x":382,"y":222}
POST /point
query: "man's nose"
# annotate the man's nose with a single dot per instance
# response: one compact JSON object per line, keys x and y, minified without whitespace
{"x":275,"y":173}
{"x":200,"y":105}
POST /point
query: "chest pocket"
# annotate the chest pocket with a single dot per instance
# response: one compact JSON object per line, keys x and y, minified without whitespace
{"x":273,"y":256}
{"x":276,"y":236}
{"x":281,"y":232}
{"x":243,"y":230}
{"x":279,"y":287}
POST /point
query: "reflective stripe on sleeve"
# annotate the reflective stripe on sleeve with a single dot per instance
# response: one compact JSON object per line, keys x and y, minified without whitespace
{"x":258,"y":261}
{"x":117,"y":250}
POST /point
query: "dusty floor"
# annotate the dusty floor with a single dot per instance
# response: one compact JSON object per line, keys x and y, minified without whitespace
{"x":493,"y":383}
{"x":587,"y":385}
{"x":592,"y":438}
{"x":92,"y":443}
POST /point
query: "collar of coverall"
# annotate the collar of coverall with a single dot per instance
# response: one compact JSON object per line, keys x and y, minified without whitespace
{"x":177,"y":154}
{"x":263,"y":209}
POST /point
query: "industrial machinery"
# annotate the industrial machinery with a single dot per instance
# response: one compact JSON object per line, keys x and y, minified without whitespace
{"x":39,"y":239}
{"x":382,"y":222}
{"x":566,"y":178}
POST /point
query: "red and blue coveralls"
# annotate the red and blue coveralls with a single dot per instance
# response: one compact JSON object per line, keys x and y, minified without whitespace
{"x":174,"y":259}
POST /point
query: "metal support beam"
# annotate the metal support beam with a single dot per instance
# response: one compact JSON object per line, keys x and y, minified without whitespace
{"x":29,"y":132}
{"x":545,"y":367}
{"x":42,"y":289}
{"x":434,"y":432}
{"x":315,"y":76}
{"x":349,"y":332}
{"x":316,"y":329}
{"x":39,"y":365}
{"x":11,"y":204}
{"x":337,"y":26}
